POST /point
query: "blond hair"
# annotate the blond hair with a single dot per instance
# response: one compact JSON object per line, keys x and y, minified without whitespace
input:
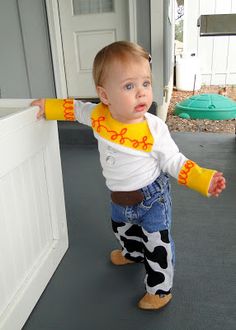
{"x":119,"y":50}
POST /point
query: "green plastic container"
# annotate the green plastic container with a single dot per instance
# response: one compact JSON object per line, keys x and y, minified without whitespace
{"x":206,"y":106}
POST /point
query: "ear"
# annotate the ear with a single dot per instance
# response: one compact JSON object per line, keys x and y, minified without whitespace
{"x":102,"y":94}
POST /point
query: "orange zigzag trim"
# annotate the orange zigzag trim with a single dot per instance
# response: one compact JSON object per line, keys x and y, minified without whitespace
{"x":183,"y":174}
{"x":115,"y":135}
{"x":68,"y":106}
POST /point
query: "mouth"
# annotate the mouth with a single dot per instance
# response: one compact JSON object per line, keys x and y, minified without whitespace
{"x":140,"y":107}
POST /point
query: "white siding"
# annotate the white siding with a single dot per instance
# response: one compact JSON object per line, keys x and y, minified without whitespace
{"x":217,"y":54}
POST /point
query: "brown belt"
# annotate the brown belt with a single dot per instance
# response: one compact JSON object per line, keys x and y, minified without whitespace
{"x":127,"y":198}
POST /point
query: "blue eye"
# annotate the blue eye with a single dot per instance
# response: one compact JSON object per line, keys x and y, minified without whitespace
{"x":129,"y":86}
{"x":146,"y":83}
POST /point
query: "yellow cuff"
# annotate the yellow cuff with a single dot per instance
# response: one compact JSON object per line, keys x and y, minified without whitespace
{"x":195,"y":177}
{"x":57,"y":109}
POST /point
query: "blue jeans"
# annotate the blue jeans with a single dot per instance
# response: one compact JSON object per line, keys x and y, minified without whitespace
{"x":153,"y":213}
{"x":143,"y":231}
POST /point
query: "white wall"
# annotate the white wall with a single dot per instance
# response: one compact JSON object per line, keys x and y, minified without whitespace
{"x":217,"y":54}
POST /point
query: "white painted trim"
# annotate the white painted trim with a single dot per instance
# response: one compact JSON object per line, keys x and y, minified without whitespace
{"x":56,"y":42}
{"x":156,"y":10}
{"x":133,"y":20}
{"x":161,"y":93}
{"x":56,"y":48}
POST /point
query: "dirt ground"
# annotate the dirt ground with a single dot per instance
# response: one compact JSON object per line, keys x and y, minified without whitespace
{"x":177,"y":124}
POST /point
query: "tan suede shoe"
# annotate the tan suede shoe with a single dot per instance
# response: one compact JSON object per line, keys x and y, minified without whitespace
{"x":118,"y":259}
{"x":151,"y":301}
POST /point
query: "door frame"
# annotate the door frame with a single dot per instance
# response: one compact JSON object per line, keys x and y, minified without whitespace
{"x":52,"y":7}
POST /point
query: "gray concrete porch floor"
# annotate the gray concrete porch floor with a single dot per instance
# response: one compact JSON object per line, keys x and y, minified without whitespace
{"x":87,"y":292}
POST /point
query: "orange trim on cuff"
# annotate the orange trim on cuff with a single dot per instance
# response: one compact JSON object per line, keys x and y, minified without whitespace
{"x":195,"y":177}
{"x":59,"y":109}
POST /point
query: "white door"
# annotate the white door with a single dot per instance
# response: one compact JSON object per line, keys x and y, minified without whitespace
{"x":86,"y":27}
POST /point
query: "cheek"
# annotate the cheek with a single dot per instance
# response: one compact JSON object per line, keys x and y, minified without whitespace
{"x":127,"y":98}
{"x":119,"y":99}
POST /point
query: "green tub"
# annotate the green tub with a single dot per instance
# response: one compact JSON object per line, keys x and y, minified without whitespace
{"x":206,"y":106}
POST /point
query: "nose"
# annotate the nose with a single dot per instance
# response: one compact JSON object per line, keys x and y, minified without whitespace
{"x":140,"y":92}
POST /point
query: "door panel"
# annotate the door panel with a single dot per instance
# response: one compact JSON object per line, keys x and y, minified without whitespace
{"x":88,"y":26}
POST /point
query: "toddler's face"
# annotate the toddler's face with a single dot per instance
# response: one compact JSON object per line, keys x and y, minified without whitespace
{"x":127,"y":90}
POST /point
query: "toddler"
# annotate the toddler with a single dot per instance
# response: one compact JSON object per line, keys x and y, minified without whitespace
{"x":137,"y":154}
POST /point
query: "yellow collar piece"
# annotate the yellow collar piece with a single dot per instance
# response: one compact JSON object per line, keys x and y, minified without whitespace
{"x":135,"y":136}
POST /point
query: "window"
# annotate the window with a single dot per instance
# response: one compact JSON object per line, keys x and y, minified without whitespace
{"x":83,"y":7}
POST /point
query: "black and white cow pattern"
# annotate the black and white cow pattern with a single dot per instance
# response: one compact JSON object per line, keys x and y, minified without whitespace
{"x":154,"y":249}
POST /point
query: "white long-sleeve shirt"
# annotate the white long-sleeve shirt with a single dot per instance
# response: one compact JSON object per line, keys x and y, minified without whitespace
{"x":132,"y":155}
{"x":126,"y":168}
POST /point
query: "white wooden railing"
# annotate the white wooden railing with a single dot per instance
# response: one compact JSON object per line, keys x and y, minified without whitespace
{"x":33,"y":230}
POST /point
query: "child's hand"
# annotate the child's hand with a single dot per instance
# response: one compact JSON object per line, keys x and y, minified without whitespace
{"x":217,"y":184}
{"x":41,"y":104}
